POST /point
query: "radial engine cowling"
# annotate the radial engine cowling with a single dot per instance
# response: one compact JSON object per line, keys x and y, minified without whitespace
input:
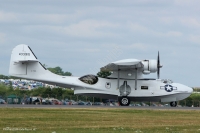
{"x":150,"y":66}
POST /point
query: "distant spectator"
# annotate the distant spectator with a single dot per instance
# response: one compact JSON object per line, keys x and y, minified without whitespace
{"x":30,"y":100}
{"x":40,"y":100}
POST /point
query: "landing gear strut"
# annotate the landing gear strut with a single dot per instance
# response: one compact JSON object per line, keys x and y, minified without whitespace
{"x":173,"y":104}
{"x":124,"y":101}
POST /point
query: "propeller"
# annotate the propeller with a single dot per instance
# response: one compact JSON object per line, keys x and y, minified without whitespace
{"x":158,"y":66}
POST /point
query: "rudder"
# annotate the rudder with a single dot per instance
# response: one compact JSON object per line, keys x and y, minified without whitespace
{"x":21,"y":54}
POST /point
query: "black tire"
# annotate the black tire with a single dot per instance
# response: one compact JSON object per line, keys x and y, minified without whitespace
{"x":124,"y":101}
{"x":173,"y":104}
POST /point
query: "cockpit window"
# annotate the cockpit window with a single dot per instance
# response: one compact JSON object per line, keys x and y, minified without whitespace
{"x":89,"y":79}
{"x":167,"y":81}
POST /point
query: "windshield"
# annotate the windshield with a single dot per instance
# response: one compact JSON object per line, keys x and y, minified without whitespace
{"x":89,"y":79}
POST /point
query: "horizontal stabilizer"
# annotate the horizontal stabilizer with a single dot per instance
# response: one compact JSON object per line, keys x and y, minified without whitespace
{"x":25,"y":61}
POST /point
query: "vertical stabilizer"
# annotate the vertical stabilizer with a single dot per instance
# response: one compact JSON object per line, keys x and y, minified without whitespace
{"x":24,"y":64}
{"x":21,"y":55}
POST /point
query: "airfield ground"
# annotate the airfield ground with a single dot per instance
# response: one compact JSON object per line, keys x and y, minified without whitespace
{"x":97,"y":120}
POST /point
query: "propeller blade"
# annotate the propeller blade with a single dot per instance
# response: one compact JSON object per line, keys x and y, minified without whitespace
{"x":158,"y":66}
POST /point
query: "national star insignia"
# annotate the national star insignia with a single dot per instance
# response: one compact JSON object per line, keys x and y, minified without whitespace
{"x":168,"y":88}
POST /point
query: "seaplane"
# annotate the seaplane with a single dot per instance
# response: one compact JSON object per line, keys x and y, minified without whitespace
{"x":125,"y":84}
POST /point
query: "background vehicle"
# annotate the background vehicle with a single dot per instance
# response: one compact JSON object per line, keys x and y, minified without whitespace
{"x":56,"y":102}
{"x":2,"y":101}
{"x":46,"y":102}
{"x":98,"y":103}
{"x":81,"y":103}
{"x":73,"y":102}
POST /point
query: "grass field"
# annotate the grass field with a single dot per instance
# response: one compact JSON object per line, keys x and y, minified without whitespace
{"x":98,"y":121}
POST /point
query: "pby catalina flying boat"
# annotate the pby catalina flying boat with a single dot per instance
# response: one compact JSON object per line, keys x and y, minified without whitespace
{"x":125,"y":83}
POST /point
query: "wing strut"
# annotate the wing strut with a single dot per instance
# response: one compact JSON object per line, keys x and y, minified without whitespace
{"x":136,"y":78}
{"x":118,"y":77}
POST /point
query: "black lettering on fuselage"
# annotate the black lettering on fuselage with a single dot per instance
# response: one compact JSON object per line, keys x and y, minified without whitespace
{"x":24,"y":54}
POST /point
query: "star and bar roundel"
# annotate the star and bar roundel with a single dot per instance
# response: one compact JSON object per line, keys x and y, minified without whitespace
{"x":168,"y":88}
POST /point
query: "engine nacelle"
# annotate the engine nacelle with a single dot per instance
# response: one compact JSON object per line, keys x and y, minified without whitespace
{"x":150,"y":66}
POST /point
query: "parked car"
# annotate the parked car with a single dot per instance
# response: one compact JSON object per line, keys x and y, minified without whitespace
{"x":179,"y":105}
{"x":144,"y":104}
{"x":153,"y":104}
{"x":138,"y":104}
{"x":88,"y":103}
{"x":46,"y":102}
{"x":72,"y":102}
{"x":160,"y":105}
{"x":98,"y":103}
{"x":166,"y":105}
{"x":105,"y":104}
{"x":56,"y":102}
{"x":36,"y":101}
{"x":2,"y":101}
{"x":81,"y":103}
{"x":65,"y":102}
{"x":132,"y":104}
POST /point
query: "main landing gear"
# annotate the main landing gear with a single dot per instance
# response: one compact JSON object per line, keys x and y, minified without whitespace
{"x":173,"y":104}
{"x":124,"y":101}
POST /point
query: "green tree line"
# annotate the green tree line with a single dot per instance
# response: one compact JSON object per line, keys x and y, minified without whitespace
{"x":193,"y":99}
{"x":58,"y":70}
{"x":45,"y":92}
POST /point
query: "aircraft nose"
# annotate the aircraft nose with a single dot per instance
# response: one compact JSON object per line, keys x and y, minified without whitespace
{"x":182,"y":87}
{"x":189,"y":89}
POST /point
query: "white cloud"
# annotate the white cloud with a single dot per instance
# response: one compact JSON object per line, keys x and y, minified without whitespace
{"x":190,"y":22}
{"x":90,"y":50}
{"x":138,"y":46}
{"x":2,"y":37}
{"x":35,"y":18}
{"x":83,"y":29}
{"x":8,"y":17}
{"x":90,"y":28}
{"x":54,"y":18}
{"x":167,"y":34}
{"x":167,"y":20}
{"x":174,"y":34}
{"x":195,"y":38}
{"x":140,"y":28}
{"x":137,"y":27}
{"x":185,"y":2}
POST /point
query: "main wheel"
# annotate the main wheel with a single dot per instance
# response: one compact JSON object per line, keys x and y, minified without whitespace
{"x":173,"y":104}
{"x":124,"y":101}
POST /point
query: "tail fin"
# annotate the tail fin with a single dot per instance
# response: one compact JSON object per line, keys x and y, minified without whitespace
{"x":24,"y":62}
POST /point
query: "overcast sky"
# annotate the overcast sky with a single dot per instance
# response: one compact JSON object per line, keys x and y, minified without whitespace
{"x":83,"y":35}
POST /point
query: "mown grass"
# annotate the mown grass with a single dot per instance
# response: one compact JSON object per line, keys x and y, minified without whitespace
{"x":98,"y":121}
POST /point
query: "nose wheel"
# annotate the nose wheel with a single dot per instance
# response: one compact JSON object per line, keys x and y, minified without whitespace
{"x":173,"y":104}
{"x":124,"y":101}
